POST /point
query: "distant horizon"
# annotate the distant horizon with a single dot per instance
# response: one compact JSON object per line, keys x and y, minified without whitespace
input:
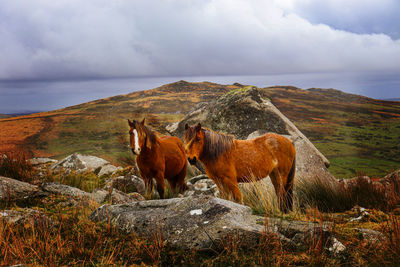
{"x":61,"y":94}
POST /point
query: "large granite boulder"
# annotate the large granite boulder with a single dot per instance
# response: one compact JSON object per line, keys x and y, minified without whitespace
{"x":247,"y":112}
{"x":206,"y":222}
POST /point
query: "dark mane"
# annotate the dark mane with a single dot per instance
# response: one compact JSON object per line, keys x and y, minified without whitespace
{"x":216,"y":144}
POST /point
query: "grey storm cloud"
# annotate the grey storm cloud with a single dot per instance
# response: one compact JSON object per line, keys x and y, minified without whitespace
{"x":73,"y":39}
{"x":358,"y":16}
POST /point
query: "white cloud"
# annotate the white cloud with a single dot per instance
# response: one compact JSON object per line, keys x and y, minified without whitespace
{"x":101,"y":38}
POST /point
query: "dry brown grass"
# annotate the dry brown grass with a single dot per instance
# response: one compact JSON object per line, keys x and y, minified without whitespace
{"x":15,"y":165}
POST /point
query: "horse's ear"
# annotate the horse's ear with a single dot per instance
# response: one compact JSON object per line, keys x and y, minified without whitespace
{"x":186,"y":126}
{"x":198,"y":127}
{"x":143,"y":121}
{"x":130,"y":123}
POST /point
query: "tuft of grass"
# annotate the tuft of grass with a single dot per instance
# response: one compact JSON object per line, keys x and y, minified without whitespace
{"x":15,"y":165}
{"x":325,"y":196}
{"x":260,"y":196}
{"x":332,"y":197}
{"x":86,"y":181}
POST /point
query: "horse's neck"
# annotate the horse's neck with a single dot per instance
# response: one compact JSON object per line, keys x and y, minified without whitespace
{"x":146,"y":152}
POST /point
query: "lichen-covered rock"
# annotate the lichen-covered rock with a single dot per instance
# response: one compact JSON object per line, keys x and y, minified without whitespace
{"x":14,"y":190}
{"x":127,"y":184}
{"x":247,"y":113}
{"x":26,"y":216}
{"x":84,"y":163}
{"x":115,"y":196}
{"x":203,"y":222}
{"x":41,"y":161}
{"x":66,"y":190}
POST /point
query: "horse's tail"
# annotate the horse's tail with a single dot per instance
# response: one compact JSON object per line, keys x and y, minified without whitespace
{"x":289,"y":187}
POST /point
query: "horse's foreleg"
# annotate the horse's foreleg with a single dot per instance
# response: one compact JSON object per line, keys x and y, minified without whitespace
{"x":148,"y":184}
{"x":180,"y":180}
{"x":231,"y":187}
{"x":160,"y":184}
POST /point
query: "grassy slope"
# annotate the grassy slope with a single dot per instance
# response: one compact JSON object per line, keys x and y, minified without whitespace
{"x":99,"y":127}
{"x":358,"y":134}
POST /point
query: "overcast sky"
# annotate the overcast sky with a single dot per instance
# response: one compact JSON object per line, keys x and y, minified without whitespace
{"x":57,"y":53}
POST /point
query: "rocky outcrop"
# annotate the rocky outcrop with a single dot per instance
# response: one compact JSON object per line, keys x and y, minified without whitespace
{"x":14,"y":190}
{"x":206,"y":222}
{"x":83,"y":163}
{"x":247,"y":113}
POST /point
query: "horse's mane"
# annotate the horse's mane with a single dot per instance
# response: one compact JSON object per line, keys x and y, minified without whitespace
{"x":215,"y":143}
{"x":151,"y":136}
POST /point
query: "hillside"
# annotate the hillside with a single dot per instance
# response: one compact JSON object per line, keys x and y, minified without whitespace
{"x":357,"y":134}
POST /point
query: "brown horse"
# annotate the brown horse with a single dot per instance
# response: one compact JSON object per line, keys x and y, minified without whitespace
{"x":229,"y":161}
{"x":158,"y":157}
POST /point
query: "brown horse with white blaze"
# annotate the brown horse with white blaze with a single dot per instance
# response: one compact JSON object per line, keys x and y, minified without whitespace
{"x":158,"y":157}
{"x":229,"y":161}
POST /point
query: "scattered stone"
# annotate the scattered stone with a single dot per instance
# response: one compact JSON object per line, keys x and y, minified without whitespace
{"x":14,"y":190}
{"x":116,"y":197}
{"x":84,"y":163}
{"x":66,"y":190}
{"x":41,"y":161}
{"x":194,"y":179}
{"x":127,"y":184}
{"x":372,"y":236}
{"x":26,"y":216}
{"x":201,"y":185}
{"x":108,"y":170}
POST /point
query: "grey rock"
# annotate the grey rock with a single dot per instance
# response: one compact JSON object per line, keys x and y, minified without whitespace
{"x":26,"y":216}
{"x":202,"y":222}
{"x":41,"y":161}
{"x":83,"y":163}
{"x":372,"y":236}
{"x":128,"y":184}
{"x":116,"y":196}
{"x":66,"y":190}
{"x":108,"y":170}
{"x":14,"y":190}
{"x":247,"y":113}
{"x":194,"y":179}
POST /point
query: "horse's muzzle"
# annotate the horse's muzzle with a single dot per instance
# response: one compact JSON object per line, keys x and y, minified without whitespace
{"x":192,"y":161}
{"x":133,"y":151}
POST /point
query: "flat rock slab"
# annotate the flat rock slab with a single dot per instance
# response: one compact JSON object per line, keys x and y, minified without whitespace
{"x":204,"y":222}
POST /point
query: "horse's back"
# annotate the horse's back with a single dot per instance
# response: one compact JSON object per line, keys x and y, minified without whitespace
{"x":262,"y":154}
